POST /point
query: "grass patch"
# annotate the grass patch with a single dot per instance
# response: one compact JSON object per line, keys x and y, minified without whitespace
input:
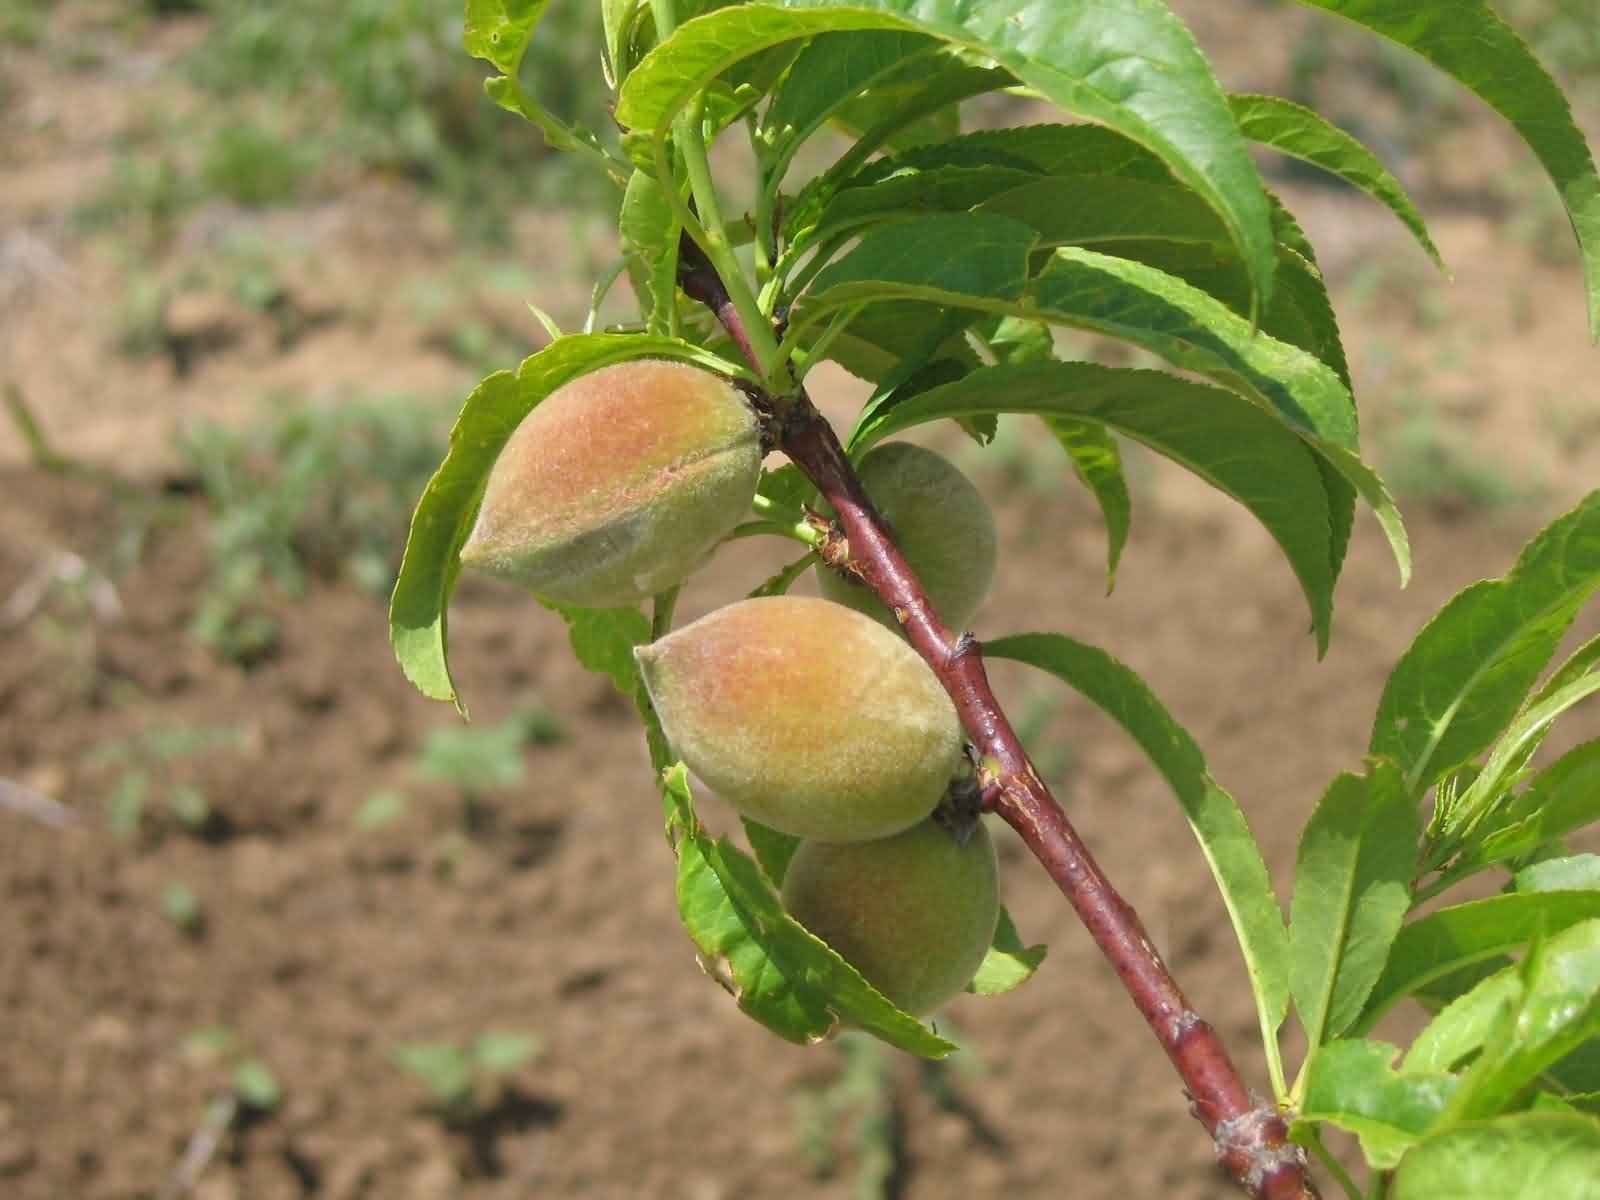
{"x":307,"y":491}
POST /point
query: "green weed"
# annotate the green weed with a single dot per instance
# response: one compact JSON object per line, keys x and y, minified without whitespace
{"x":143,"y":199}
{"x":182,"y":907}
{"x":255,"y":165}
{"x":464,"y":1080}
{"x":308,"y":491}
{"x":477,"y":759}
{"x":380,"y":809}
{"x":252,"y":1083}
{"x":1426,"y":460}
{"x":860,"y":1100}
{"x":383,"y":85}
{"x":152,"y":765}
{"x":22,"y":22}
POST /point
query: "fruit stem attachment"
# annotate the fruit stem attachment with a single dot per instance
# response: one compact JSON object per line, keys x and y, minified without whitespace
{"x":1250,"y":1138}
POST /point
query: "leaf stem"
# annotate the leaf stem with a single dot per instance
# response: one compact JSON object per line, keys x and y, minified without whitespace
{"x":1333,"y":1166}
{"x":1251,"y":1139}
{"x":709,"y":232}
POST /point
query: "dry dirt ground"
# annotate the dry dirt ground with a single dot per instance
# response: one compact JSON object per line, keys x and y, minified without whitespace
{"x":326,"y":945}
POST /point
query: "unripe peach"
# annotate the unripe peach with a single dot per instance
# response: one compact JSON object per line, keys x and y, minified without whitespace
{"x":941,"y":524}
{"x":806,"y":716}
{"x":914,"y":913}
{"x":618,"y":484}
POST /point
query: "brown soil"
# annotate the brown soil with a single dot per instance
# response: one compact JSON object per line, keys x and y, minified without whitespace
{"x":324,"y":946}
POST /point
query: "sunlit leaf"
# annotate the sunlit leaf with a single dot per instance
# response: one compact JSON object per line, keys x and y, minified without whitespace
{"x":1458,"y":936}
{"x":1353,"y":1085}
{"x":1009,"y":964}
{"x":1300,"y":133}
{"x":1467,"y":672}
{"x":1223,"y":438}
{"x":1132,"y":67}
{"x":649,"y":229}
{"x":1351,"y":891}
{"x":500,"y":30}
{"x":1555,"y":1010}
{"x":1562,"y":798}
{"x":1524,"y":1156}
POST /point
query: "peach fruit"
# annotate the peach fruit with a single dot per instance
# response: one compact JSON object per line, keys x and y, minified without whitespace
{"x":618,"y":484}
{"x":941,"y":524}
{"x":806,"y":716}
{"x":914,"y":913}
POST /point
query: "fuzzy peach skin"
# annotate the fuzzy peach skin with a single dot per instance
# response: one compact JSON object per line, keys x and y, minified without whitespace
{"x":914,"y":913}
{"x":618,"y":484}
{"x":806,"y":716}
{"x":942,"y":525}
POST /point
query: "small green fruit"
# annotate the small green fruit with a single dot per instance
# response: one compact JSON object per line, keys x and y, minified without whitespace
{"x":914,"y":913}
{"x":941,"y":524}
{"x":618,"y":484}
{"x":806,"y":716}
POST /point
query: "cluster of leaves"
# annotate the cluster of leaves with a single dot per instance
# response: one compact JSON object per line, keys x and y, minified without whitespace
{"x":936,"y":265}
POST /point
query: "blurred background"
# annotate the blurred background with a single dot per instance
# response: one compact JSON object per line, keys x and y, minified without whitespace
{"x":272,"y":925}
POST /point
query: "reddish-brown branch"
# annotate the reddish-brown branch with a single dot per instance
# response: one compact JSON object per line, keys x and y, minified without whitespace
{"x":1251,"y":1138}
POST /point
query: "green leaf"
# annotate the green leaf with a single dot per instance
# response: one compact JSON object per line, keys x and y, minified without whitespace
{"x":1351,"y":1084}
{"x":648,"y":226}
{"x":500,"y":30}
{"x":1465,"y":39}
{"x":500,"y":1053}
{"x":1055,"y":149}
{"x":1464,"y":1024}
{"x":1463,"y":934}
{"x":1228,"y":441}
{"x":1300,"y":133}
{"x":1352,"y":888}
{"x":603,"y":640}
{"x":953,"y":257}
{"x":1132,"y":67}
{"x":1196,"y":332}
{"x":1511,"y":753}
{"x":894,"y":189}
{"x":382,"y":808}
{"x":256,"y":1085}
{"x":614,"y":19}
{"x":449,"y":504}
{"x":1556,"y":1010}
{"x":904,"y":111}
{"x":1097,"y":462}
{"x":1120,"y":298}
{"x":1101,"y":210}
{"x":773,"y":849}
{"x":780,"y":974}
{"x":441,"y":1067}
{"x":1524,"y":1156}
{"x":1218,"y":825}
{"x":832,"y":70}
{"x":1575,"y":873}
{"x":786,"y":486}
{"x":1466,"y":674}
{"x":505,"y":91}
{"x":1169,"y":228}
{"x":1561,"y":799}
{"x":1009,"y":964}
